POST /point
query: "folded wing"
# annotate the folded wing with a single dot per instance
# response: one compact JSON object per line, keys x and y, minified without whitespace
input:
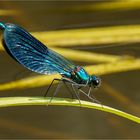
{"x":32,"y":54}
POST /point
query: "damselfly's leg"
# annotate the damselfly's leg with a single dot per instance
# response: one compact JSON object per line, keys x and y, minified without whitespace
{"x":50,"y":86}
{"x":65,"y":80}
{"x":89,"y":91}
{"x":56,"y":90}
{"x":68,"y":88}
{"x":97,"y":101}
{"x":91,"y":97}
{"x":77,"y":94}
{"x":87,"y":95}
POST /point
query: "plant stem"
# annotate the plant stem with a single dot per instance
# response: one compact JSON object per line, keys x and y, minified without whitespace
{"x":22,"y":101}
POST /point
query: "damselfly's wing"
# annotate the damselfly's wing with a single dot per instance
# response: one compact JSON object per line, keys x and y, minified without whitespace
{"x":32,"y":54}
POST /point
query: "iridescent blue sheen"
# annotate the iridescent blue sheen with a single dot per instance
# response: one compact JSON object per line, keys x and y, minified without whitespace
{"x":79,"y":75}
{"x":2,"y":26}
{"x":32,"y":54}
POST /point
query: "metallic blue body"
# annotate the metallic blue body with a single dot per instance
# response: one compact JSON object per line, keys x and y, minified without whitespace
{"x":34,"y":55}
{"x":79,"y":75}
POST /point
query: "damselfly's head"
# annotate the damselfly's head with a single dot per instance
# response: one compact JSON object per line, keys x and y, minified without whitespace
{"x":95,"y":81}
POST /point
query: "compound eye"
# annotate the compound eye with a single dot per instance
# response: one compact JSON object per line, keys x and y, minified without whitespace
{"x":96,"y":81}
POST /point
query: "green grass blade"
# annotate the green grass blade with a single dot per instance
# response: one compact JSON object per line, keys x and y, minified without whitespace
{"x":22,"y":101}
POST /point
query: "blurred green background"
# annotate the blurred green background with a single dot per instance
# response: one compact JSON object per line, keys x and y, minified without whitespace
{"x":119,"y":90}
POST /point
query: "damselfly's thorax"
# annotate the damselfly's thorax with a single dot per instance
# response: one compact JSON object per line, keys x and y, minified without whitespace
{"x":79,"y":75}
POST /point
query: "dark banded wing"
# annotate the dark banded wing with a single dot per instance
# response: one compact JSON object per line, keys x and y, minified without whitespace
{"x":32,"y":54}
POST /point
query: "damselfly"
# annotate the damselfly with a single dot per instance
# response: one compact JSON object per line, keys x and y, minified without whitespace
{"x":32,"y":54}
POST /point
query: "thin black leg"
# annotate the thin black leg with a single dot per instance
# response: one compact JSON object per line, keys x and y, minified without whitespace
{"x":94,"y":99}
{"x":72,"y":83}
{"x":91,"y":97}
{"x":68,"y":89}
{"x":76,"y":94}
{"x":50,"y":86}
{"x":55,"y":92}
